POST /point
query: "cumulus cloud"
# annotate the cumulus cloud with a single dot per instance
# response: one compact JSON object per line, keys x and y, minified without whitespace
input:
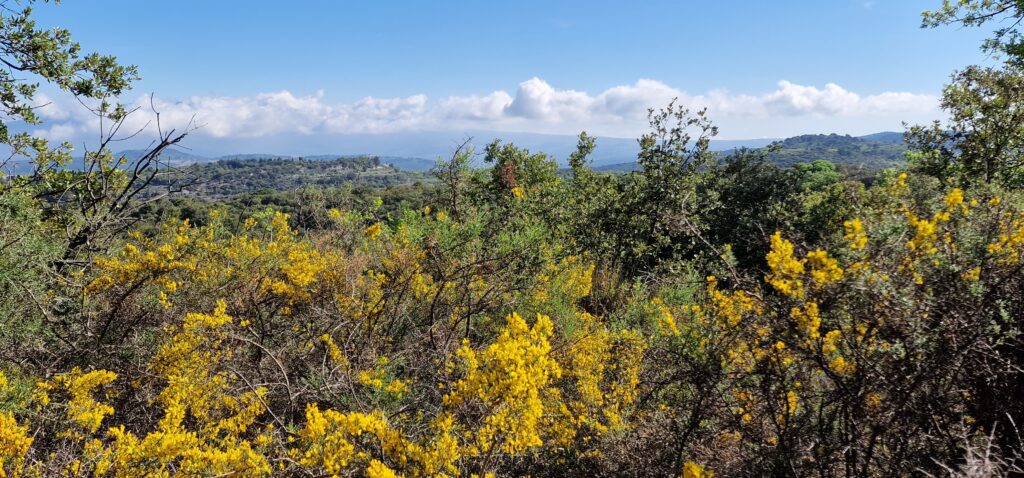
{"x":489,"y":107}
{"x":536,"y":99}
{"x":47,"y":108}
{"x":632,"y":101}
{"x":535,"y":106}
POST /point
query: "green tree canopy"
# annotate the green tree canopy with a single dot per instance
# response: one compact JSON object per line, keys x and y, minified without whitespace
{"x":1006,"y":41}
{"x":984,"y":137}
{"x":32,"y":55}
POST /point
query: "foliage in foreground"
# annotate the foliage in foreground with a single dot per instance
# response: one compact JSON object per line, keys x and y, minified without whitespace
{"x":484,"y":337}
{"x":692,"y":318}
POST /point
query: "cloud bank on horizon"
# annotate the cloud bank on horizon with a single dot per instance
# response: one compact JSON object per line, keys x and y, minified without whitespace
{"x":535,"y":107}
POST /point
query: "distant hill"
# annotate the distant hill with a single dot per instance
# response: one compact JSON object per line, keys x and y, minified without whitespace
{"x":874,"y":151}
{"x":619,"y":167}
{"x":419,"y":150}
{"x":228,"y":177}
{"x":177,"y":157}
{"x":171,"y":155}
{"x":408,"y":164}
{"x":884,"y":137}
{"x":251,"y":157}
{"x":848,"y":151}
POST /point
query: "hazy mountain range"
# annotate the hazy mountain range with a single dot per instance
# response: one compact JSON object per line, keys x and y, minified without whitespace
{"x":419,"y":151}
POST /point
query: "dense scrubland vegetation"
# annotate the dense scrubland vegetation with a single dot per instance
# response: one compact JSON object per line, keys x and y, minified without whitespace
{"x":701,"y":316}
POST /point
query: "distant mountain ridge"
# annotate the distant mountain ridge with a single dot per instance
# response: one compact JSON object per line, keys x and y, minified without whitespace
{"x":876,"y":150}
{"x":884,"y":137}
{"x":414,"y":151}
{"x":873,"y":151}
{"x":178,"y":157}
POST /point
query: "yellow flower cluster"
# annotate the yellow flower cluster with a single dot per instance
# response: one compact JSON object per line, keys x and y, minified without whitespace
{"x":855,"y":234}
{"x":378,"y":380}
{"x":334,"y":352}
{"x":151,"y":261}
{"x":729,"y":308}
{"x":666,"y":321}
{"x":509,"y":379}
{"x":82,"y":408}
{"x":327,"y":440}
{"x":954,"y":199}
{"x":824,"y":269}
{"x":14,"y":439}
{"x":605,"y":368}
{"x":694,"y":470}
{"x":899,"y":187}
{"x":512,"y":381}
{"x":1009,"y":245}
{"x":202,"y":430}
{"x":926,"y":230}
{"x":278,"y":263}
{"x":786,"y":271}
{"x":373,"y":231}
{"x":570,"y":278}
{"x":807,"y":319}
{"x":14,"y":445}
{"x":841,"y":366}
{"x":334,"y":444}
{"x":925,"y":235}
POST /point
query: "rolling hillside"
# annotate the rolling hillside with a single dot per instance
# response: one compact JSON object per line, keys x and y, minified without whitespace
{"x":228,"y":177}
{"x":873,"y":151}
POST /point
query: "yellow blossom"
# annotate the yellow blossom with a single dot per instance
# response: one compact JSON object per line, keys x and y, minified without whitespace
{"x":855,"y":234}
{"x":786,"y":270}
{"x":373,"y":231}
{"x":694,"y":470}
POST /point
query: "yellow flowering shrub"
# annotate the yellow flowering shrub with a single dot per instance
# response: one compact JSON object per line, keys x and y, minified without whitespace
{"x":786,"y":270}
{"x":398,"y":348}
{"x":604,"y":369}
{"x":82,"y":409}
{"x":510,"y":380}
{"x":188,"y":261}
{"x":14,"y":445}
{"x":832,"y":336}
{"x":855,"y":234}
{"x":694,"y":470}
{"x":205,"y":427}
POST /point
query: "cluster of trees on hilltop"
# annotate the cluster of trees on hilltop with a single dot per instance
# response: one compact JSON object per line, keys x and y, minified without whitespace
{"x":857,"y":155}
{"x":846,"y":150}
{"x":701,"y":316}
{"x":226,"y":178}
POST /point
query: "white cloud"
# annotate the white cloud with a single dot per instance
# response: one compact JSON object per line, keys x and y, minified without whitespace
{"x":536,"y":106}
{"x":48,"y":109}
{"x":489,"y":107}
{"x":59,"y":132}
{"x":792,"y":100}
{"x":632,"y":101}
{"x":536,"y":99}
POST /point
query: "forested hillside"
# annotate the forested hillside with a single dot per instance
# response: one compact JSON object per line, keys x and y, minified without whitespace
{"x":871,"y":152}
{"x":845,"y":151}
{"x":705,"y":315}
{"x":228,"y":177}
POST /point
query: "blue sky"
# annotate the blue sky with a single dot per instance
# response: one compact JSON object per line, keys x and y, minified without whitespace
{"x":330,"y":67}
